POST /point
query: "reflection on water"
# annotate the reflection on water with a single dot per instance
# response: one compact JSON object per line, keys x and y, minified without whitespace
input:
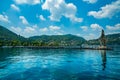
{"x":59,"y":64}
{"x":103,"y":56}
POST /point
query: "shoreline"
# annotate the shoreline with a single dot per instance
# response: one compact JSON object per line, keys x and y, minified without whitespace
{"x":59,"y":47}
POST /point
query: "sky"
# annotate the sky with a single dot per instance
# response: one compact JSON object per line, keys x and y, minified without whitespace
{"x":83,"y":18}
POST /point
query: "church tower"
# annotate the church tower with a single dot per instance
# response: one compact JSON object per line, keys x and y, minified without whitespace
{"x":102,"y":39}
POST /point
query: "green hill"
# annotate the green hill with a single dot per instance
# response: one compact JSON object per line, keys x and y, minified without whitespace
{"x":110,"y":38}
{"x":61,"y":40}
{"x":6,"y":34}
{"x":113,"y":38}
{"x":7,"y":37}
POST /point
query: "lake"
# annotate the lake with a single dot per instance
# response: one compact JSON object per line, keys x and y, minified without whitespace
{"x":59,"y":64}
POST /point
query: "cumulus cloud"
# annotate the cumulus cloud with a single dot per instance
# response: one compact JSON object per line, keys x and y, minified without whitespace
{"x":56,"y":30}
{"x":106,"y":11}
{"x":23,"y":19}
{"x":113,"y":28}
{"x":44,"y":29}
{"x":16,"y":29}
{"x":4,"y":18}
{"x":92,"y":30}
{"x":90,"y":36}
{"x":53,"y":28}
{"x":96,"y":26}
{"x":61,"y":8}
{"x":30,"y":2}
{"x":58,"y":33}
{"x":90,"y":1}
{"x":26,"y":31}
{"x":29,"y":29}
{"x":13,"y":6}
{"x":33,"y":30}
{"x":42,"y":18}
{"x":78,"y":35}
{"x":84,"y":28}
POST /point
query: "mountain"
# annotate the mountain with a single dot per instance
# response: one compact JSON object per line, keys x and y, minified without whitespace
{"x":110,"y":38}
{"x":8,"y":38}
{"x":6,"y":34}
{"x":113,"y":38}
{"x":63,"y":40}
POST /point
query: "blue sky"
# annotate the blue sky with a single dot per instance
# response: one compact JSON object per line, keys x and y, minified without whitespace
{"x":83,"y":18}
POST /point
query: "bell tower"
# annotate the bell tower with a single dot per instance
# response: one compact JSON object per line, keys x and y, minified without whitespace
{"x":102,"y":39}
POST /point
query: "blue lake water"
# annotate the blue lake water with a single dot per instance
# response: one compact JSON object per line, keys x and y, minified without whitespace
{"x":59,"y":64}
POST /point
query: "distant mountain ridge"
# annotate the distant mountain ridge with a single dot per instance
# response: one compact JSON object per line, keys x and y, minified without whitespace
{"x":59,"y":39}
{"x":56,"y":37}
{"x":110,"y":39}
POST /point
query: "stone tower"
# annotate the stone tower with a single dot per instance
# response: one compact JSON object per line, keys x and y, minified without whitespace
{"x":102,"y":39}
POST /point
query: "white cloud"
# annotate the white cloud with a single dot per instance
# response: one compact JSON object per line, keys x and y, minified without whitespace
{"x":17,"y":30}
{"x":30,"y":2}
{"x":78,"y":35}
{"x":44,"y":29}
{"x":92,"y":31}
{"x":58,"y":33}
{"x":42,"y":18}
{"x":53,"y":28}
{"x":90,"y":1}
{"x":96,"y":26}
{"x":13,"y":6}
{"x":60,"y":9}
{"x":29,"y":29}
{"x":35,"y":26}
{"x":106,"y":11}
{"x":24,"y":21}
{"x":4,"y":18}
{"x":75,"y":19}
{"x":113,"y":28}
{"x":84,"y":28}
{"x":26,"y":31}
{"x":90,"y":36}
